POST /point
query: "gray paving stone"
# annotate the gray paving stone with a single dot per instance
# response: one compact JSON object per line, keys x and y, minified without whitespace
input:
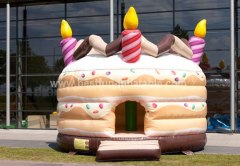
{"x":217,"y":143}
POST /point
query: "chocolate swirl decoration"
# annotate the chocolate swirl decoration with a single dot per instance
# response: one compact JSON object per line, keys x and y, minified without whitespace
{"x":83,"y":49}
{"x":173,"y":44}
{"x":165,"y":44}
{"x":169,"y":43}
{"x":114,"y":47}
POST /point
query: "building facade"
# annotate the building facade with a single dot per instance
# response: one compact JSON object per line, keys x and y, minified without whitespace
{"x":36,"y":59}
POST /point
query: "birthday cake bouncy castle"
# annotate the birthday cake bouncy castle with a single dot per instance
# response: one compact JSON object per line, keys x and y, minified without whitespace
{"x":132,"y":95}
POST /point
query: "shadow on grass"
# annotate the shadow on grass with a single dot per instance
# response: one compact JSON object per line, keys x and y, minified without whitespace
{"x":55,"y":146}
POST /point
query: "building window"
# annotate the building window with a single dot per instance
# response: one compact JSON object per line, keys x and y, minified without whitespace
{"x":35,"y":46}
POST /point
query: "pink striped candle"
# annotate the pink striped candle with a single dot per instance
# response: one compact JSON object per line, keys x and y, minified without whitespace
{"x":131,"y":45}
{"x":68,"y":45}
{"x":197,"y":45}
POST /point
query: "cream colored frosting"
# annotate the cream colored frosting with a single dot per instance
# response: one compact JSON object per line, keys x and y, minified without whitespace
{"x":192,"y":106}
{"x":127,"y":76}
{"x":94,"y":110}
{"x":165,"y":62}
{"x":170,"y":67}
{"x":99,"y":110}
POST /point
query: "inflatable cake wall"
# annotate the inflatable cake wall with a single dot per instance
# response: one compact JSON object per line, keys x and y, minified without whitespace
{"x":172,"y":91}
{"x":168,"y":85}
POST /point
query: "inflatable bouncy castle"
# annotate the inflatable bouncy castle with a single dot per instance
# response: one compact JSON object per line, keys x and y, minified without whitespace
{"x":131,"y":99}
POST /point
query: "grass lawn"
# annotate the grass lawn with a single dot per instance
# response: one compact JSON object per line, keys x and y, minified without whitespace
{"x":50,"y":155}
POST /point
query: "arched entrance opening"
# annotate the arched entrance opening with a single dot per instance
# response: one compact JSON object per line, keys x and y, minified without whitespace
{"x":129,"y":122}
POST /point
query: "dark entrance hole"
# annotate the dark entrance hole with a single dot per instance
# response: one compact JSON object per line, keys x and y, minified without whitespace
{"x":121,"y":124}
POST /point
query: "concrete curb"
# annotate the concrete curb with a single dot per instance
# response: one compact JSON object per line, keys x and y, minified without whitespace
{"x":223,"y":140}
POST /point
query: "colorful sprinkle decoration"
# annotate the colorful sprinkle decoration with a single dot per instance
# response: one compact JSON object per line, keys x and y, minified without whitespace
{"x":108,"y":73}
{"x":193,"y":107}
{"x":95,"y":112}
{"x":157,"y":71}
{"x":83,"y":75}
{"x":93,"y":72}
{"x":88,"y":106}
{"x":101,"y":106}
{"x":176,"y":79}
{"x":154,"y":105}
{"x":125,"y":78}
{"x":132,"y":70}
{"x":174,"y":73}
{"x":66,"y":105}
{"x":184,"y":75}
{"x":185,"y":104}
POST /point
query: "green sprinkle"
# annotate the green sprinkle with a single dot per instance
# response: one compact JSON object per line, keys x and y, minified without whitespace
{"x":193,"y":107}
{"x":184,"y":75}
{"x":202,"y":105}
{"x":132,"y":70}
{"x":88,"y":106}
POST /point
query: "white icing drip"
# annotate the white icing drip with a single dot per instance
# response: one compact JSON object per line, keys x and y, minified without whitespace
{"x":165,"y":62}
{"x":131,"y":74}
{"x":95,"y":110}
{"x":192,"y":106}
{"x":82,"y":68}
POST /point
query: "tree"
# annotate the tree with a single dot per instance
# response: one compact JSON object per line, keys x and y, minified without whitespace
{"x":180,"y":32}
{"x":59,"y":65}
{"x":3,"y":65}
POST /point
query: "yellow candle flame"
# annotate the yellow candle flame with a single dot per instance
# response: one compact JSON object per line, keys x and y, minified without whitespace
{"x":201,"y":29}
{"x":130,"y":21}
{"x":221,"y":64}
{"x":66,"y":30}
{"x":54,"y":113}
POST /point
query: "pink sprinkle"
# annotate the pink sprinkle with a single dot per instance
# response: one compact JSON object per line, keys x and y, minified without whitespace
{"x":173,"y":72}
{"x":93,"y":72}
{"x":66,"y":106}
{"x":101,"y":106}
{"x":154,"y":105}
{"x":96,"y":111}
{"x":83,"y":75}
